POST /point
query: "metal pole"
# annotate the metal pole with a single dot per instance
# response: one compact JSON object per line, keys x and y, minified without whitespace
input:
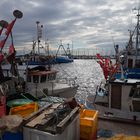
{"x":38,"y":36}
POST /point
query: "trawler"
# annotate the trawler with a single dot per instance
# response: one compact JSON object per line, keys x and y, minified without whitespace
{"x":41,"y":81}
{"x":37,"y":80}
{"x":119,"y":98}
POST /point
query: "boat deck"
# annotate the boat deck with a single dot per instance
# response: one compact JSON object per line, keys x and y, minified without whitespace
{"x":119,"y":127}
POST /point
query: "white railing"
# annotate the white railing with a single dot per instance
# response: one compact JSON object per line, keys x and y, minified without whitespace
{"x":69,"y":81}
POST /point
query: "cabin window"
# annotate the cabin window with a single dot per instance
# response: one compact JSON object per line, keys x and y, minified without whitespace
{"x":28,"y":78}
{"x":53,"y":76}
{"x":36,"y":79}
{"x":137,"y":63}
{"x":50,"y":77}
{"x":130,"y":63}
{"x":137,"y":93}
{"x":132,"y":91}
{"x":136,"y":100}
{"x":47,"y":78}
{"x":43,"y":78}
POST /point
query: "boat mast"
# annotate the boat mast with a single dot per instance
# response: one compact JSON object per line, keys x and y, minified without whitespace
{"x":48,"y":55}
{"x":137,"y":32}
{"x":138,"y":29}
{"x":39,"y":34}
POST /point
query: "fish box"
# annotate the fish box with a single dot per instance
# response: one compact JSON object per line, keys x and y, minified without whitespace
{"x":24,"y":110}
{"x":88,"y":124}
{"x":39,"y":127}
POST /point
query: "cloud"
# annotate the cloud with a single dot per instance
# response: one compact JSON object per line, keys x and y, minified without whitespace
{"x":86,"y":23}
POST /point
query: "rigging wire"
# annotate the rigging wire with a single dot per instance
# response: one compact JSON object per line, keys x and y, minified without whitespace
{"x":68,"y":75}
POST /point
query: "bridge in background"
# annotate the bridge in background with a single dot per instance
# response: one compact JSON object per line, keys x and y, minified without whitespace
{"x":91,"y":56}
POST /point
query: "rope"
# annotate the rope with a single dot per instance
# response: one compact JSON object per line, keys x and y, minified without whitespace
{"x":68,"y":75}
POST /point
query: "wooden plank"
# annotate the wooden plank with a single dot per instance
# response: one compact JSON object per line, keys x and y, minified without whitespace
{"x":27,"y":119}
{"x":64,"y":122}
{"x":38,"y":119}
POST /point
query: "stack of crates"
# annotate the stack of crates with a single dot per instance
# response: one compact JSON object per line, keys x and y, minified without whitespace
{"x":2,"y":105}
{"x":88,"y":124}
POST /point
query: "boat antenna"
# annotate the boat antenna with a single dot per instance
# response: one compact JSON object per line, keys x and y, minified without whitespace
{"x":72,"y":49}
{"x":137,"y":28}
{"x":47,"y":45}
{"x":39,"y":34}
{"x":113,"y":41}
{"x":48,"y":55}
{"x":137,"y":34}
{"x":116,"y":48}
{"x":68,"y":49}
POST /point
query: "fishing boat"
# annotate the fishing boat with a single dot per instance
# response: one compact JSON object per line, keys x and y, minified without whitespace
{"x":127,"y":60}
{"x":40,"y":59}
{"x":36,"y":58}
{"x":131,"y":53}
{"x":119,"y":98}
{"x":37,"y":80}
{"x":118,"y":104}
{"x":66,"y":57}
{"x":63,"y":59}
{"x":42,"y":81}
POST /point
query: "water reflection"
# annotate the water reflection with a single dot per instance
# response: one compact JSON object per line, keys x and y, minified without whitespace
{"x":88,"y":75}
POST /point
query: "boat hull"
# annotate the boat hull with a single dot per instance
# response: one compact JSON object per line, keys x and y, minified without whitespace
{"x":118,"y":115}
{"x":119,"y":127}
{"x":52,"y":89}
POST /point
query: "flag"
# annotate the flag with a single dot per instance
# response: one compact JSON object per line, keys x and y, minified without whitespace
{"x":11,"y":60}
{"x":101,"y":61}
{"x":107,"y":60}
{"x":1,"y":57}
{"x":11,"y":54}
{"x":1,"y":30}
{"x":99,"y":56}
{"x":2,"y":42}
{"x":11,"y":49}
{"x":9,"y":27}
{"x":104,"y":65}
{"x":114,"y":70}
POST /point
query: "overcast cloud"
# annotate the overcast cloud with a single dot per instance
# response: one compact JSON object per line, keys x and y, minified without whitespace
{"x":86,"y":23}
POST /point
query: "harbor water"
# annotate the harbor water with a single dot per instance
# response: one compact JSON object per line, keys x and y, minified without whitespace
{"x":86,"y":73}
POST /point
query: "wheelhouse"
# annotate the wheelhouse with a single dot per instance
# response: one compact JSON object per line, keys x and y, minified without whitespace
{"x":41,"y":76}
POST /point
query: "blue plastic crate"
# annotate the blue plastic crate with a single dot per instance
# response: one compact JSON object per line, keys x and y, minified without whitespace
{"x":12,"y":136}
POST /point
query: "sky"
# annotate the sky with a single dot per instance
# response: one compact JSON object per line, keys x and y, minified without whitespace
{"x":87,"y":24}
